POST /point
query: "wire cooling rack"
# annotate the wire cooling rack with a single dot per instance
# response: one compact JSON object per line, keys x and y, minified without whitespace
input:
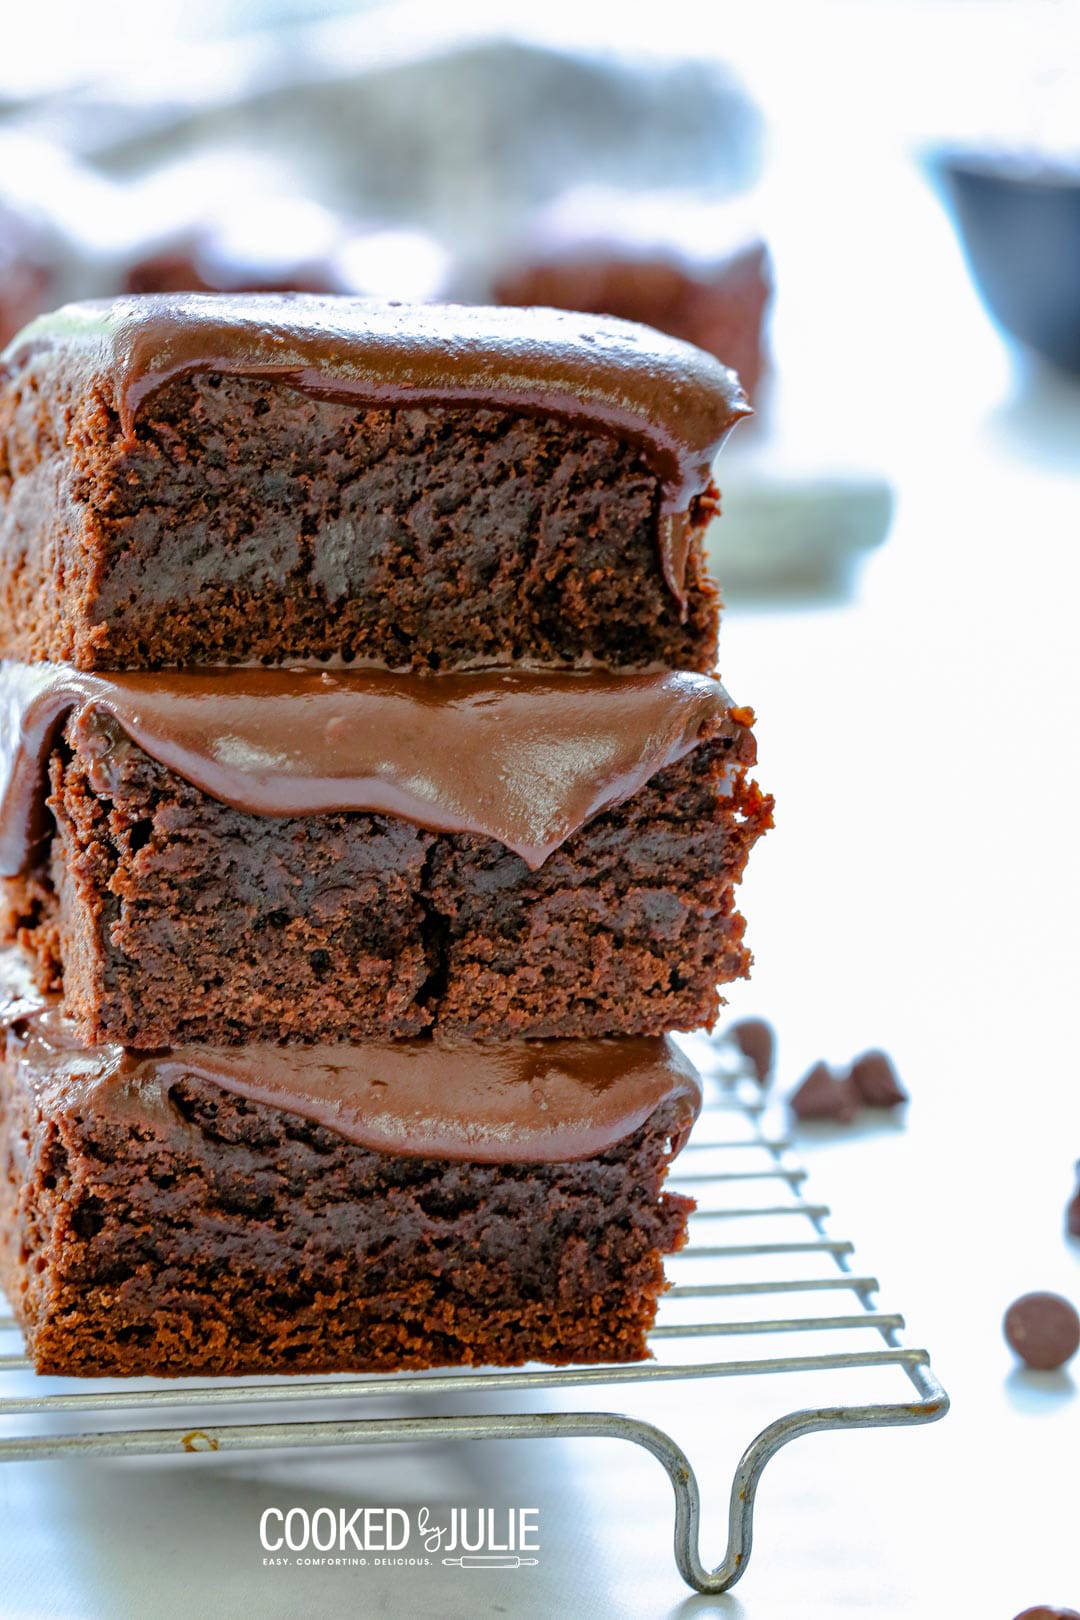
{"x":742,"y":1175}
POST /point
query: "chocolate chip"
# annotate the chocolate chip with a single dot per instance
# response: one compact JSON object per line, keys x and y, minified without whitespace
{"x":876,"y":1081}
{"x":824,"y":1095}
{"x":1072,"y":1210}
{"x":756,"y":1040}
{"x":1041,"y":1612}
{"x":1043,"y":1329}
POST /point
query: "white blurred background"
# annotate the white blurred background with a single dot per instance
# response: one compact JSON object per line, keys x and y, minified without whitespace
{"x":900,"y":549}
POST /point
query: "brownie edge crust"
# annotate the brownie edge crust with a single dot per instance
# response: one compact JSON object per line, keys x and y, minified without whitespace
{"x":217,"y":1235}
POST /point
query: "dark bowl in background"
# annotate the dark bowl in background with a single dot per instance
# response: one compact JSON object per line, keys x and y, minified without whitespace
{"x":1019,"y":223}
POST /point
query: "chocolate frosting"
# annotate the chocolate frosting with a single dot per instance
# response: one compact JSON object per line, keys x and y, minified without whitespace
{"x":499,"y":1102}
{"x":676,"y":402}
{"x":525,"y":758}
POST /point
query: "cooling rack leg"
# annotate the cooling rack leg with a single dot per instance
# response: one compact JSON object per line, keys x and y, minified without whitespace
{"x":934,"y":1405}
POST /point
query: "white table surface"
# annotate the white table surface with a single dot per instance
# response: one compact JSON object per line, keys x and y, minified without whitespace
{"x":921,"y":892}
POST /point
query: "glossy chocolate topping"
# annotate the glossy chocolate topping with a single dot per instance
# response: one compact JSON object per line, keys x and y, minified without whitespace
{"x":675,"y":401}
{"x":498,"y":1102}
{"x":524,"y":758}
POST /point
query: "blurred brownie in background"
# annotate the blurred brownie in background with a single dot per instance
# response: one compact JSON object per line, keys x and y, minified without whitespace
{"x":700,"y":274}
{"x":27,"y":271}
{"x":178,"y":271}
{"x":270,"y":245}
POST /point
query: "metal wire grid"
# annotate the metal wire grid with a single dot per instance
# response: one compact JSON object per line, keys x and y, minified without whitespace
{"x":712,"y":1135}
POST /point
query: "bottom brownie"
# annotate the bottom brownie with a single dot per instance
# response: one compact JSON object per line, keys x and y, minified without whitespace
{"x":152,"y":1222}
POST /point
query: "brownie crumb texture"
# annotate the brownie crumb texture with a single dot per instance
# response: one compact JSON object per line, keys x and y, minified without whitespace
{"x":246,"y":523}
{"x":246,"y":1240}
{"x":169,"y":918}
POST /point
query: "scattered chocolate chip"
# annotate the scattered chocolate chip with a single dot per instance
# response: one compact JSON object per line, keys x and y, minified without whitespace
{"x":1043,"y":1329}
{"x":876,"y":1081}
{"x":1041,"y":1612}
{"x":1072,"y":1211}
{"x":824,"y":1095}
{"x":756,"y":1040}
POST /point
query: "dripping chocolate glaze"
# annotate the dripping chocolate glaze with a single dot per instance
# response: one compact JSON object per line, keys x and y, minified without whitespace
{"x":523,"y":758}
{"x":498,"y":1102}
{"x":676,"y":402}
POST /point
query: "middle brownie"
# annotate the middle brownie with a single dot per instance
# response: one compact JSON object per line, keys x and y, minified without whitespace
{"x":167,"y":916}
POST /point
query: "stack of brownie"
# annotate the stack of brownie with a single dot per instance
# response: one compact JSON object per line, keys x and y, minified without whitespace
{"x":369,"y":815}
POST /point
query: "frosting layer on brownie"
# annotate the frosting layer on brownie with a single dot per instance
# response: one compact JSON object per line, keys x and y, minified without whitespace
{"x":525,"y":758}
{"x":497,"y":1102}
{"x":675,"y":401}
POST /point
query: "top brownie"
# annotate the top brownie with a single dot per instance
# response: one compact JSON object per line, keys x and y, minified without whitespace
{"x":198,"y":480}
